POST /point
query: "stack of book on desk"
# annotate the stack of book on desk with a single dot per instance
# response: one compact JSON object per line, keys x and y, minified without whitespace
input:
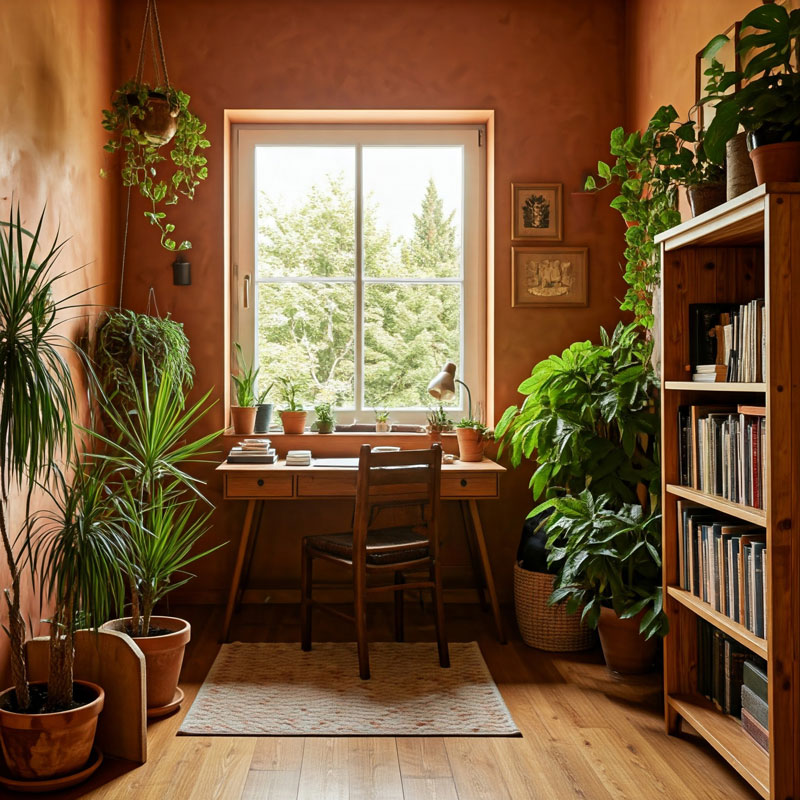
{"x":252,"y":451}
{"x":298,"y":458}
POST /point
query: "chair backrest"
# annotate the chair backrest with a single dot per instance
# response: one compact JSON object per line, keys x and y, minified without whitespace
{"x":399,"y":479}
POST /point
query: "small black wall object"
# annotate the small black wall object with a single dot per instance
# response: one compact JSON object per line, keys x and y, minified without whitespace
{"x":181,"y":272}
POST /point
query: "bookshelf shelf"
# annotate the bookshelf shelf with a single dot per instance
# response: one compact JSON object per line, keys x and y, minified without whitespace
{"x":699,"y":386}
{"x":726,"y":736}
{"x":742,"y":251}
{"x":736,"y":631}
{"x":758,"y":516}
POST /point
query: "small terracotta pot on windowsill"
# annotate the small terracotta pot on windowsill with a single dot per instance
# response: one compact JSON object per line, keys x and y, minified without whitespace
{"x":244,"y":419}
{"x":293,"y":421}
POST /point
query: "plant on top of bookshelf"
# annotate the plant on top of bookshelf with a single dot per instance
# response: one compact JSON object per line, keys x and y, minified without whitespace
{"x":766,"y":104}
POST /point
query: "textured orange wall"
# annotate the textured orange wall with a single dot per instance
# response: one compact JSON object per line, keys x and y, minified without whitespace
{"x":662,"y":39}
{"x":553,"y":72}
{"x":56,"y":73}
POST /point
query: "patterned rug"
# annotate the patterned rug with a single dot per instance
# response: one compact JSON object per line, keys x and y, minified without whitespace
{"x":264,"y":689}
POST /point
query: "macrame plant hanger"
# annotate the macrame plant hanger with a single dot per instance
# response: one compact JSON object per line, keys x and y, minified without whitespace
{"x":151,"y":25}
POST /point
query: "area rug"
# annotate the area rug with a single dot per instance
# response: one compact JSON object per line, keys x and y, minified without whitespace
{"x":266,"y":689}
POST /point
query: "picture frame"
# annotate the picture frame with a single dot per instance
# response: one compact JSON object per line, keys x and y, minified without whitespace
{"x":537,"y":211}
{"x":549,"y":277}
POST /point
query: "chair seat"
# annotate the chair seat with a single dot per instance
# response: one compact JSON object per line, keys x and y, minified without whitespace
{"x":384,"y":545}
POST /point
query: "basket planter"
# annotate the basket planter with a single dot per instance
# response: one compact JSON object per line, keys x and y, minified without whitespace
{"x":542,"y":626}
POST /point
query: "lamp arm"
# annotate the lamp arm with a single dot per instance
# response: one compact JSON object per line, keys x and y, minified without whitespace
{"x":469,"y":397}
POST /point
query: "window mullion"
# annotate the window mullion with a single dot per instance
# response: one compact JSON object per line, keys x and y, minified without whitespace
{"x":359,"y":298}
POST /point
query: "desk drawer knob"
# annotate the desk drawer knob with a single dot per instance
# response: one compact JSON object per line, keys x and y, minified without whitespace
{"x":463,"y":481}
{"x":260,"y":481}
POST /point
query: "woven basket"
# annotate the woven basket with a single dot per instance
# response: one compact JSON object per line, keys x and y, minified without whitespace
{"x":543,"y":626}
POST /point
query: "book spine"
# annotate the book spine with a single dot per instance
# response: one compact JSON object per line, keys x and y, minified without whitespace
{"x":755,"y":731}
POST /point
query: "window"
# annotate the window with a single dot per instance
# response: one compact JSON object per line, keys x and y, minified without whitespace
{"x":359,"y":256}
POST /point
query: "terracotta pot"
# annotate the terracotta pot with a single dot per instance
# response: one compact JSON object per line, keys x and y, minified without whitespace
{"x":470,"y":444}
{"x":293,"y":421}
{"x":39,"y":746}
{"x":160,"y":121}
{"x":263,"y":418}
{"x":243,"y":418}
{"x":777,"y":162}
{"x":163,"y":655}
{"x":739,"y":174}
{"x":706,"y":196}
{"x":624,"y":648}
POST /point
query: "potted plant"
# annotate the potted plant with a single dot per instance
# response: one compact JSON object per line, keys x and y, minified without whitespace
{"x":144,"y":119}
{"x":293,"y":417}
{"x":382,"y":424}
{"x":766,"y":103}
{"x":35,"y":423}
{"x":609,"y":564}
{"x":647,"y":201}
{"x":156,"y":520}
{"x":472,"y":436}
{"x":438,"y":423}
{"x":263,"y":412}
{"x":243,"y":414}
{"x":326,"y":419}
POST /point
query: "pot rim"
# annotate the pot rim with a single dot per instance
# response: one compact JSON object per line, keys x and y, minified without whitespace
{"x":11,"y":717}
{"x":184,"y":627}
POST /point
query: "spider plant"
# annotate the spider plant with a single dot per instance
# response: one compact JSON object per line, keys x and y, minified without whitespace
{"x":75,"y":553}
{"x":36,"y":394}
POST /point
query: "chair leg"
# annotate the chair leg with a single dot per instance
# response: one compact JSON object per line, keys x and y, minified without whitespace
{"x":438,"y":610}
{"x":306,"y":569}
{"x":399,"y":632}
{"x":360,"y":603}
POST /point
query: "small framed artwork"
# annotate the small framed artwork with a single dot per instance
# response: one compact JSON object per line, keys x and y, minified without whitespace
{"x":549,"y":276}
{"x":537,"y":209}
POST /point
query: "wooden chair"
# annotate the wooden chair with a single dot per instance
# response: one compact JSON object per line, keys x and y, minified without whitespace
{"x":408,"y":480}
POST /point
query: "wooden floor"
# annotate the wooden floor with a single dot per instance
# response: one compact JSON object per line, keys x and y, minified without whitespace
{"x":586,"y":734}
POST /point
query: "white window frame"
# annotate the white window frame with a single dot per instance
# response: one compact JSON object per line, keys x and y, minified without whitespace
{"x":247,"y":137}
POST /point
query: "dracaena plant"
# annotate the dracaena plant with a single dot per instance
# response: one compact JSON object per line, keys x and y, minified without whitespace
{"x":245,"y":380}
{"x":606,"y":555}
{"x":769,"y":93}
{"x":588,"y":420}
{"x":36,"y":394}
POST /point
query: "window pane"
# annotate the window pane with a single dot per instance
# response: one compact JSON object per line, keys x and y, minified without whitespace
{"x":306,"y":332}
{"x":306,"y":211}
{"x":413,"y":210}
{"x":410,"y":330}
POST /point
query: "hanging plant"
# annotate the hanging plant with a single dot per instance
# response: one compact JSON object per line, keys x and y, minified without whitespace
{"x":144,"y":118}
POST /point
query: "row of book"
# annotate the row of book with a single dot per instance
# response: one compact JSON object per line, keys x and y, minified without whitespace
{"x":253,"y":451}
{"x":734,"y":680}
{"x":723,"y":562}
{"x":727,"y":341}
{"x":721,"y":451}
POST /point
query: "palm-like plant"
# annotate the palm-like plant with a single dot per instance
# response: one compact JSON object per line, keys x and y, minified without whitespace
{"x":75,"y":551}
{"x":36,"y":394}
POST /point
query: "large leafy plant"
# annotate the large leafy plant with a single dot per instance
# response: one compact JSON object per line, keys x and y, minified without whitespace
{"x":36,"y":395}
{"x":143,"y":163}
{"x":588,"y":420}
{"x":606,"y":555}
{"x":769,"y":93}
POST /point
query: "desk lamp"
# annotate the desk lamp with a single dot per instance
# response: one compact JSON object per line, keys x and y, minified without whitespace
{"x":443,"y":386}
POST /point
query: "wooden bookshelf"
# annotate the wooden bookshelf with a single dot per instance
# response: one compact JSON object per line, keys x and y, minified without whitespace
{"x":745,"y":249}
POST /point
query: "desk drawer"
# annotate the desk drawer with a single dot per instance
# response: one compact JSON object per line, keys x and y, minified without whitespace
{"x":469,"y":485}
{"x":327,"y":485}
{"x":268,"y":485}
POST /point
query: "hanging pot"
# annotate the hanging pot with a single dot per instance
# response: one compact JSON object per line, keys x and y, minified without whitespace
{"x":160,"y":121}
{"x":706,"y":196}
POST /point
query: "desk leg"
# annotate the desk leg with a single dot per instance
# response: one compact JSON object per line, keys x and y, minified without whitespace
{"x":237,"y":570}
{"x":487,"y":568}
{"x":248,"y":559}
{"x":477,"y":568}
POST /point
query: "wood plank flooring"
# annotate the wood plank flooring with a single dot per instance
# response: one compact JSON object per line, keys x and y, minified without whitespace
{"x":586,"y":734}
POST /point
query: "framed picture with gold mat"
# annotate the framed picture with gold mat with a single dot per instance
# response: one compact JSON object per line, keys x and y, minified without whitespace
{"x":549,"y":276}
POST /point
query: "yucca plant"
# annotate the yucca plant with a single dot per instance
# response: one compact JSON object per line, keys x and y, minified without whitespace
{"x":75,"y":552}
{"x":36,"y":394}
{"x":147,"y":457}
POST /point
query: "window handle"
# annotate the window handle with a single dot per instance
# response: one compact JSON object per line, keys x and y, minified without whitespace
{"x":246,"y":296}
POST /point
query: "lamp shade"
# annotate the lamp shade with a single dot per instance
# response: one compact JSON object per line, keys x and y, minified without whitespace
{"x":443,"y":386}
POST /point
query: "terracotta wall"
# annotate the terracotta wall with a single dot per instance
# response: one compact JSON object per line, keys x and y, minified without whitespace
{"x":56,"y":73}
{"x":553,"y":72}
{"x":662,"y":39}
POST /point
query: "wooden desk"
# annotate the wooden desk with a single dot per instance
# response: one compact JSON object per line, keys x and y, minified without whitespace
{"x":464,"y":481}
